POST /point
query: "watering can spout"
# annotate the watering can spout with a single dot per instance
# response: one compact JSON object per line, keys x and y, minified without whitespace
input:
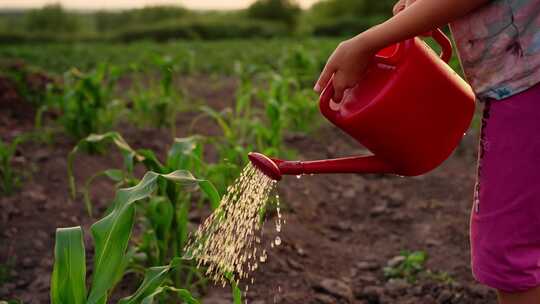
{"x":275,"y":168}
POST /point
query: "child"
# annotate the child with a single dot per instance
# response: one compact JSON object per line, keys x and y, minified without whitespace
{"x":499,"y":48}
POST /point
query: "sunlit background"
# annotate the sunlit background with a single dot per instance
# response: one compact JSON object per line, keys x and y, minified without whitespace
{"x":123,"y":4}
{"x":167,"y":20}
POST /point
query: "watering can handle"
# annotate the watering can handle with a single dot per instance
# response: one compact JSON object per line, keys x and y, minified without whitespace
{"x":444,"y":42}
{"x":437,"y":35}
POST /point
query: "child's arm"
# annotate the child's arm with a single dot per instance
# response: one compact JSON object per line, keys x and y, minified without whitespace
{"x":350,"y":59}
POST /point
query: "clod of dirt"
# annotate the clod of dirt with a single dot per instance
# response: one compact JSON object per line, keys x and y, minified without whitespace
{"x":478,"y":290}
{"x":371,"y":293}
{"x":334,"y":287}
{"x":378,"y":210}
{"x":433,"y":242}
{"x":349,"y":193}
{"x":35,"y":194}
{"x":396,"y":287}
{"x":322,"y":298}
{"x":366,"y":265}
{"x":28,"y":262}
{"x":342,"y":226}
{"x":445,"y":297}
{"x":367,"y":279}
{"x":300,"y":251}
{"x":393,"y":262}
{"x":295,"y":265}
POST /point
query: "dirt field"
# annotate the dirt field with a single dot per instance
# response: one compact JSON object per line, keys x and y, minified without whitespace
{"x":340,"y":231}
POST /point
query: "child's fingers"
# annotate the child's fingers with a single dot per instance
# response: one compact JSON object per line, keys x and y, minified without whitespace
{"x":398,"y":7}
{"x":340,"y":85}
{"x":325,"y":76}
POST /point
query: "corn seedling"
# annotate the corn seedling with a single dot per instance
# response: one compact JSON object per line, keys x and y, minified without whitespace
{"x":86,"y":101}
{"x":9,"y":179}
{"x":157,"y":104}
{"x":237,"y":126}
{"x":30,"y":82}
{"x":300,"y":65}
{"x":111,"y":236}
{"x":165,"y":213}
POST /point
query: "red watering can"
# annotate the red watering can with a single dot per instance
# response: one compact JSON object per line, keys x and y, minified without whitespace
{"x":410,"y":110}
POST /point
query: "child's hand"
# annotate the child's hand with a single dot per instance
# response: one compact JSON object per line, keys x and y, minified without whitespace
{"x":347,"y":65}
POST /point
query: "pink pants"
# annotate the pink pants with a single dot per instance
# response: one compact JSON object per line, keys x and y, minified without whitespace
{"x":505,"y":220}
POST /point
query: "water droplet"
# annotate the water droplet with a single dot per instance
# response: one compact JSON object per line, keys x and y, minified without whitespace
{"x":277,"y":241}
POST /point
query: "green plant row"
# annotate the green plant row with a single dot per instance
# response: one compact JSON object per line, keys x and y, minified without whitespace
{"x":111,"y":236}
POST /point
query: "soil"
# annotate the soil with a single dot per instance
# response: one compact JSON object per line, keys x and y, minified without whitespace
{"x":340,"y":231}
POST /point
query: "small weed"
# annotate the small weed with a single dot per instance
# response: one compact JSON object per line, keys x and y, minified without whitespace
{"x":408,"y":269}
{"x":412,"y":267}
{"x":440,"y":276}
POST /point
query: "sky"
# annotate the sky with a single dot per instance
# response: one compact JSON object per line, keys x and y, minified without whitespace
{"x":122,"y":4}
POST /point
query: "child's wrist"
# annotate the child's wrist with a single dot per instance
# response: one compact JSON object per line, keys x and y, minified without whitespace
{"x":368,"y":41}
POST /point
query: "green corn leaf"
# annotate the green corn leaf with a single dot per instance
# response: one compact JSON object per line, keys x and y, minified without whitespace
{"x":183,"y":294}
{"x":182,"y":216}
{"x":114,"y":174}
{"x":185,"y":154}
{"x":152,"y":286}
{"x":68,"y":282}
{"x":153,"y":279}
{"x":236,"y":292}
{"x":130,"y":155}
{"x":184,"y":145}
{"x":217,"y":116}
{"x":121,"y":269}
{"x":149,"y":159}
{"x":160,"y":212}
{"x":211,"y":192}
{"x":111,"y":234}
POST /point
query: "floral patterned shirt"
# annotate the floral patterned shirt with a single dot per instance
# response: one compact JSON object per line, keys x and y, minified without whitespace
{"x":499,"y":47}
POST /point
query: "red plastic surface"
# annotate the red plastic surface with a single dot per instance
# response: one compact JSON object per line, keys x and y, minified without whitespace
{"x":410,"y":110}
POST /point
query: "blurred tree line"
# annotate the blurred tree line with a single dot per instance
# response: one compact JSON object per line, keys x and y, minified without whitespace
{"x":263,"y":18}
